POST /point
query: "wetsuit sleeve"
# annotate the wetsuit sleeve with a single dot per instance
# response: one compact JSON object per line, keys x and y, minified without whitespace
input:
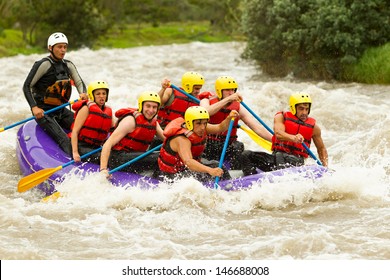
{"x":79,"y":84}
{"x":37,"y":71}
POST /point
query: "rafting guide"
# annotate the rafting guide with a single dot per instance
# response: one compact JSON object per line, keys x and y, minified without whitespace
{"x":48,"y":85}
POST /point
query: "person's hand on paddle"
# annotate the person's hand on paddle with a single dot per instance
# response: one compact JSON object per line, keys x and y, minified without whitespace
{"x":216,"y":172}
{"x":165,"y":83}
{"x":37,"y":112}
{"x":76,"y":157}
{"x":104,"y":171}
{"x":298,"y":138}
{"x":233,"y":114}
{"x":235,"y":97}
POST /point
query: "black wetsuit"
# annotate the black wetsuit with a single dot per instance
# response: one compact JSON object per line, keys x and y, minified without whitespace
{"x":44,"y":74}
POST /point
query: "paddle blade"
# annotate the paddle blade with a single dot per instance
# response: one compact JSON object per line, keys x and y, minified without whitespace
{"x":52,"y":197}
{"x":36,"y":178}
{"x":260,"y":141}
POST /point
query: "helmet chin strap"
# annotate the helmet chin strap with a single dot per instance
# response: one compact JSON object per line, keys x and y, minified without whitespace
{"x":53,"y":55}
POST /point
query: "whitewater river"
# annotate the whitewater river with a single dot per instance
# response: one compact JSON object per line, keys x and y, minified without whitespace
{"x":345,"y":216}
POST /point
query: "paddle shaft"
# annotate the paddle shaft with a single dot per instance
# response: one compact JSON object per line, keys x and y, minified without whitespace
{"x":57,"y":194}
{"x":34,"y":179}
{"x":196,"y":100}
{"x":270,"y":130}
{"x":226,"y":144}
{"x":135,"y":159}
{"x":45,"y":112}
{"x":83,"y":156}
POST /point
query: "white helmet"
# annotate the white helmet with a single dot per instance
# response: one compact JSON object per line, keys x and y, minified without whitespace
{"x":56,"y":38}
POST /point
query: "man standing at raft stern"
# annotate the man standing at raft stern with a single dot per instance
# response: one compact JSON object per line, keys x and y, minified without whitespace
{"x":291,"y":128}
{"x":48,"y":85}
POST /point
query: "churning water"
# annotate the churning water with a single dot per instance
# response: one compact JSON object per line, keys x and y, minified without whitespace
{"x":344,"y":216}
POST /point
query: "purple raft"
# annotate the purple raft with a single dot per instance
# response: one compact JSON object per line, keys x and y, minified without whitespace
{"x":35,"y":150}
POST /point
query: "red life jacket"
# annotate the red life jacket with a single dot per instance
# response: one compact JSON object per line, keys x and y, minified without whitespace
{"x":294,"y":126}
{"x":170,"y":161}
{"x":143,"y":134}
{"x":177,"y":109}
{"x":220,"y":116}
{"x":97,"y":125}
{"x":205,"y":94}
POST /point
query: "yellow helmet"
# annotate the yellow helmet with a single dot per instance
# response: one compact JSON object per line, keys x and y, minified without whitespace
{"x":195,"y":113}
{"x":189,"y":79}
{"x":148,"y":96}
{"x":299,"y":98}
{"x":225,"y":82}
{"x":96,"y":85}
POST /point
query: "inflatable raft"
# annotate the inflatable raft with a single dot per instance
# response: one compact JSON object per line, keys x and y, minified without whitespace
{"x":35,"y":150}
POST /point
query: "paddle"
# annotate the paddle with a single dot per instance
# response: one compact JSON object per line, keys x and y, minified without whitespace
{"x":31,"y":118}
{"x":270,"y":130}
{"x":260,"y":141}
{"x":53,"y":197}
{"x":56,"y":195}
{"x":135,"y":159}
{"x":40,"y":176}
{"x":196,"y":100}
{"x":224,"y":150}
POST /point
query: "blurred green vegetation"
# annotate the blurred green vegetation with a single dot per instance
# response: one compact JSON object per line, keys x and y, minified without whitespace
{"x":316,"y":39}
{"x":168,"y":33}
{"x":345,"y":40}
{"x":373,"y":67}
{"x":12,"y":43}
